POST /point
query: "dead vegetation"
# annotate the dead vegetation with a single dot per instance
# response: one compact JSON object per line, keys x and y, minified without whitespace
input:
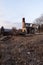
{"x":20,"y":50}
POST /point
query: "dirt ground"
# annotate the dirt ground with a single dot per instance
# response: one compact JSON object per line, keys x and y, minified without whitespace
{"x":22,"y":50}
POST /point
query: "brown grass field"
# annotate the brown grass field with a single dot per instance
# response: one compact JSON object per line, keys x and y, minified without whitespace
{"x":21,"y":50}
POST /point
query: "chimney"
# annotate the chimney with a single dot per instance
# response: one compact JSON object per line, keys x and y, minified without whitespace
{"x":23,"y":22}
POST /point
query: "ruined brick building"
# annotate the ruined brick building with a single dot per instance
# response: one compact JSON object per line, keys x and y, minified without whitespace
{"x":28,"y":27}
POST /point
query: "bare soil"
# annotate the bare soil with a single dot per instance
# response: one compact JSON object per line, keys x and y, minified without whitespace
{"x":22,"y":50}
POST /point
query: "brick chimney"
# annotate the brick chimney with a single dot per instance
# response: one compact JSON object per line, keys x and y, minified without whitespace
{"x":23,"y":25}
{"x":23,"y":22}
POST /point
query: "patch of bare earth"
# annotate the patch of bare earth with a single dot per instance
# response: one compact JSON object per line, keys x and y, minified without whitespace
{"x":19,"y":50}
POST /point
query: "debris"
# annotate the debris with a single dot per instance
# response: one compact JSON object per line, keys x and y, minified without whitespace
{"x":19,"y":50}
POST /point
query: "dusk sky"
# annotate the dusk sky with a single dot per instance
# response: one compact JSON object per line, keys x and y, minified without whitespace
{"x":12,"y":11}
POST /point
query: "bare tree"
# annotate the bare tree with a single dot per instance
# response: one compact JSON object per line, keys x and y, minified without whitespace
{"x":39,"y":20}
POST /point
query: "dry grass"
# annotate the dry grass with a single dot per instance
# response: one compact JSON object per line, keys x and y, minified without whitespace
{"x":21,"y":50}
